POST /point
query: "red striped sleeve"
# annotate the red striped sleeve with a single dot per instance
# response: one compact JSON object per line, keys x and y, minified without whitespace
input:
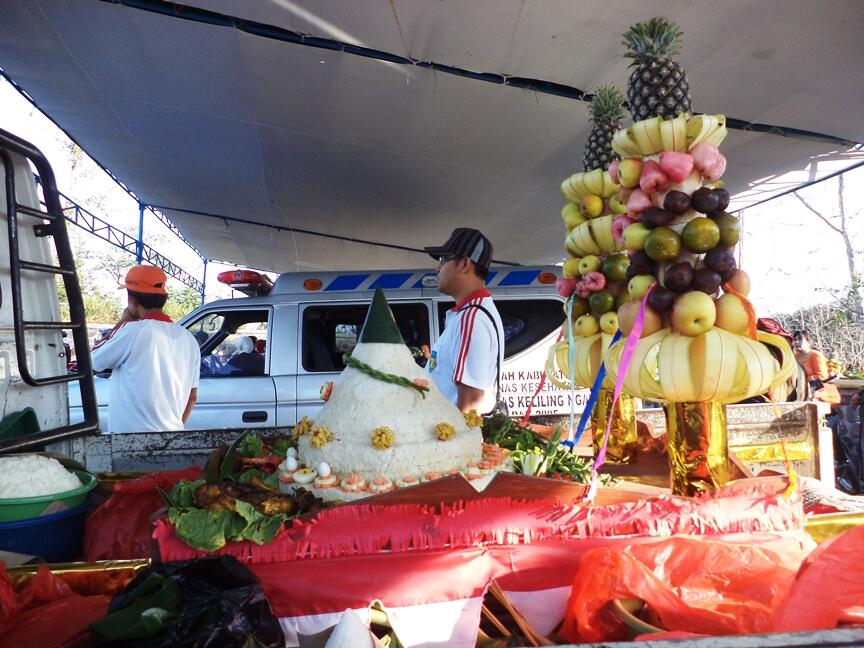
{"x":466,"y":329}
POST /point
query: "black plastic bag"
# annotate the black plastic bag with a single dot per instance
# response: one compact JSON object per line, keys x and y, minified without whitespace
{"x":221,"y":605}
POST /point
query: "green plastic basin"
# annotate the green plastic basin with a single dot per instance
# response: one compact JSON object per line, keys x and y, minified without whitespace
{"x":13,"y":509}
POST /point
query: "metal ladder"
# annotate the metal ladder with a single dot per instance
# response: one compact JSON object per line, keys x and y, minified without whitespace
{"x":53,"y":225}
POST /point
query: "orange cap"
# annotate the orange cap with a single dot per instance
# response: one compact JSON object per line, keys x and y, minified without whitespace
{"x":146,"y":279}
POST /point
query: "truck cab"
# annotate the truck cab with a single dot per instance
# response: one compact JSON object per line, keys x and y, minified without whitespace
{"x":302,"y":324}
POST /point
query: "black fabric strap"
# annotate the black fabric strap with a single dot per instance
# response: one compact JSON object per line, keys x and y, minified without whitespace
{"x":498,"y":354}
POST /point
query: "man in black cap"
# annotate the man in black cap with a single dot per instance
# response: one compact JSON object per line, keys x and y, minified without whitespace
{"x":466,"y":360}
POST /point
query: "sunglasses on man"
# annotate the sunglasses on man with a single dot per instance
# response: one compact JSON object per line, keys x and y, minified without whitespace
{"x":448,"y":257}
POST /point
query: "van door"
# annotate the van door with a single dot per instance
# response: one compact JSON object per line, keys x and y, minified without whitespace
{"x":236,"y":389}
{"x":330,"y":330}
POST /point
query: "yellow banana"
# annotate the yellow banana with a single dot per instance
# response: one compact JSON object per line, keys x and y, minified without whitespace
{"x":716,"y":365}
{"x":609,"y":187}
{"x":601,"y":229}
{"x":593,"y":181}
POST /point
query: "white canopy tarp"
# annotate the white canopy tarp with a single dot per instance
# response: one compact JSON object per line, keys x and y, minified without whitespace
{"x":206,"y":117}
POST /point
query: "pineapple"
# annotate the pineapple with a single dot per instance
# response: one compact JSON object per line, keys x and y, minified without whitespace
{"x":606,"y":111}
{"x":658,"y":85}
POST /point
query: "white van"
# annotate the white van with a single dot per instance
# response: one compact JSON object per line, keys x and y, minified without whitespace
{"x":306,"y":321}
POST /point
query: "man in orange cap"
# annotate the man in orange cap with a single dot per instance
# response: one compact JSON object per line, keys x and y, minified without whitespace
{"x":155,"y":363}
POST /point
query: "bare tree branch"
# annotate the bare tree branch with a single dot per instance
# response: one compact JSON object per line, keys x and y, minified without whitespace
{"x":818,"y":213}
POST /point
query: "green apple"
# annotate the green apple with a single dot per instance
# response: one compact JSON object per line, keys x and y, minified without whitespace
{"x":571,"y":214}
{"x":693,"y":313}
{"x":629,"y":171}
{"x":635,"y":235}
{"x":589,"y":263}
{"x":609,"y":323}
{"x":732,"y":315}
{"x":627,"y":316}
{"x":639,"y":285}
{"x":616,"y":205}
{"x":586,"y":325}
{"x":570,"y":269}
{"x":592,"y":206}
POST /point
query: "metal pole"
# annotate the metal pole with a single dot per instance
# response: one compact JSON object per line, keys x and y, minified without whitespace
{"x":139,"y":244}
{"x":204,"y":282}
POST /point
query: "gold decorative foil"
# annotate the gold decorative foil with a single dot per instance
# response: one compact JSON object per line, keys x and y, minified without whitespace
{"x":824,"y":527}
{"x":621,"y":448}
{"x":22,"y":573}
{"x":772,"y":452}
{"x":698,"y":447}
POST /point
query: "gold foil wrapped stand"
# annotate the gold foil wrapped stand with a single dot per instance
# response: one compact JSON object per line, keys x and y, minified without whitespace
{"x":621,"y":448}
{"x":698,"y":447}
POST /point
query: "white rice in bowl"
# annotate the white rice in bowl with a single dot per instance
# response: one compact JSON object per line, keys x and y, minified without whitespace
{"x":34,"y":475}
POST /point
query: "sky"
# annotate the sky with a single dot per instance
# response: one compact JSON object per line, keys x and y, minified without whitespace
{"x":794,"y":259}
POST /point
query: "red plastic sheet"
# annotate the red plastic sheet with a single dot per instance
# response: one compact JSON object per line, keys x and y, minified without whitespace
{"x":46,"y":612}
{"x":692,"y":585}
{"x":119,"y":529}
{"x":828,"y":589}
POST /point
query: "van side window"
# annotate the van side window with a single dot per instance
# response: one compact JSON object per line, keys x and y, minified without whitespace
{"x":526,"y":321}
{"x":232,"y":342}
{"x":330,"y":331}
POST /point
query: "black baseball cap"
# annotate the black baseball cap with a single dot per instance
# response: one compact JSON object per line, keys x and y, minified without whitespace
{"x":465,"y":242}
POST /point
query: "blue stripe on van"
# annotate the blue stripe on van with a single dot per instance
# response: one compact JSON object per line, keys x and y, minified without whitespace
{"x":394,"y":280}
{"x":346,"y":282}
{"x":490,"y":277}
{"x":519,"y":278}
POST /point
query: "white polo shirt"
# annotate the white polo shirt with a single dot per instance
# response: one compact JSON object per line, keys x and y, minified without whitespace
{"x":155,"y":364}
{"x":468,"y":350}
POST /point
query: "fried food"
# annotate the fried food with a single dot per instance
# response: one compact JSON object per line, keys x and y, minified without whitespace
{"x":222,"y":496}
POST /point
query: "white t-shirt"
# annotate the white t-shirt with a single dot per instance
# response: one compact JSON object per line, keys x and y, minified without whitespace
{"x":468,"y":350}
{"x":155,"y":366}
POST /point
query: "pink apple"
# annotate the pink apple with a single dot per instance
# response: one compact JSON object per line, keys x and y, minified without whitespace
{"x":613,"y":171}
{"x":676,"y":166}
{"x":638,"y":202}
{"x":618,"y":226}
{"x":693,"y":313}
{"x":652,"y":178}
{"x":708,"y":160}
{"x":594,"y":281}
{"x":566,"y":287}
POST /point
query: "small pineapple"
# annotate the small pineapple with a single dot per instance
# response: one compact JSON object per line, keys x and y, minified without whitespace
{"x":658,"y":85}
{"x":606,"y":111}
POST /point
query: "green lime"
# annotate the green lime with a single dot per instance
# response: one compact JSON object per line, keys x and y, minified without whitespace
{"x":700,"y":235}
{"x":730,"y":228}
{"x":602,"y":301}
{"x":662,"y":244}
{"x":615,"y":266}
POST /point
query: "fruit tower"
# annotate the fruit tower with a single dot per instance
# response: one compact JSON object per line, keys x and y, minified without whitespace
{"x":595,"y":278}
{"x":698,"y":347}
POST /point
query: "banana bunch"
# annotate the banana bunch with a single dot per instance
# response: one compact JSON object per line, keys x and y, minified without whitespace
{"x":654,"y":135}
{"x":714,"y":366}
{"x":588,"y":356}
{"x":592,"y":237}
{"x":592,"y":183}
